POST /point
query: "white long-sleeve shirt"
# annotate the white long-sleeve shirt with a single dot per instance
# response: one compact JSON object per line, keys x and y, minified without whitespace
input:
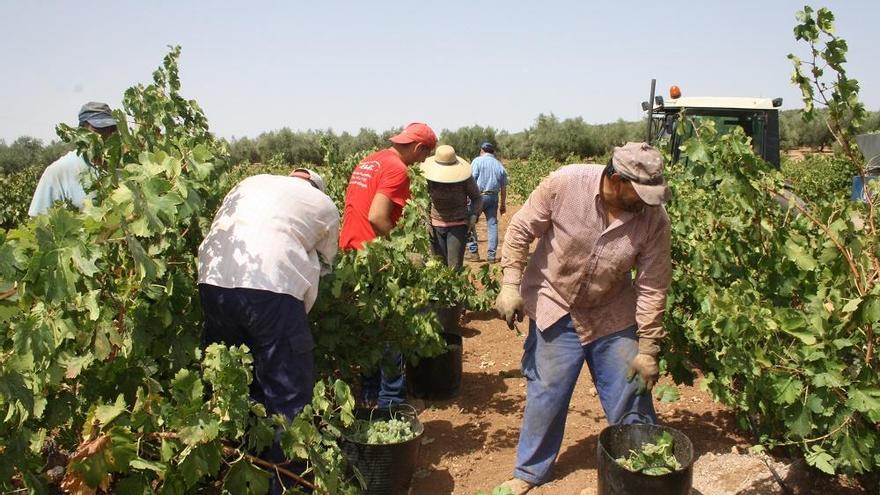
{"x":62,"y":180}
{"x":268,"y":234}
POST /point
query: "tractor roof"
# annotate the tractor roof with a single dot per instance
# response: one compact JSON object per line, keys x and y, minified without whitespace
{"x":719,"y":102}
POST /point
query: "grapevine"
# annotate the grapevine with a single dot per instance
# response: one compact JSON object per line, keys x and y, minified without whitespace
{"x":101,"y":368}
{"x":103,"y":375}
{"x":16,"y":189}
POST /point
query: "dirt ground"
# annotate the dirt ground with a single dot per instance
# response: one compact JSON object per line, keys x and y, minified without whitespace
{"x":469,"y":442}
{"x":801,"y":153}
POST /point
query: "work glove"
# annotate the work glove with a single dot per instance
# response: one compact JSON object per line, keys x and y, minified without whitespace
{"x":644,"y":365}
{"x":509,"y":304}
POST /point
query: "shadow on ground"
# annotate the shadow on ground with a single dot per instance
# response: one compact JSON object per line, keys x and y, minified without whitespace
{"x":581,"y":455}
{"x":484,"y":391}
{"x":439,"y":481}
{"x":709,"y":432}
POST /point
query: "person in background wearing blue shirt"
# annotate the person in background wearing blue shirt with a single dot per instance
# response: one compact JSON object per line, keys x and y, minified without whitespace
{"x":64,"y":179}
{"x":491,"y":178}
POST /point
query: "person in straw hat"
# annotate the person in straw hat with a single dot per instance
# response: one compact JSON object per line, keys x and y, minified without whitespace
{"x":450,"y":186}
{"x":594,"y":225}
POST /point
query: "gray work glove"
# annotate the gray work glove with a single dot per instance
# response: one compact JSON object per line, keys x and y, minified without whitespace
{"x":644,"y":365}
{"x":509,"y":304}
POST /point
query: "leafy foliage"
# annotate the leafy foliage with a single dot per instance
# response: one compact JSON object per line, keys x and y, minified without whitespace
{"x":498,"y":490}
{"x":823,"y":80}
{"x":819,"y":178}
{"x":775,"y":307}
{"x":377,"y":295}
{"x":778,"y":306}
{"x":467,"y":140}
{"x":524,"y":176}
{"x":666,"y":393}
{"x":27,"y":152}
{"x":100,"y":356}
{"x":548,"y":136}
{"x":569,"y":140}
{"x":654,"y":459}
{"x":16,"y":191}
{"x":235,"y":174}
{"x":105,"y":310}
{"x":100,"y":362}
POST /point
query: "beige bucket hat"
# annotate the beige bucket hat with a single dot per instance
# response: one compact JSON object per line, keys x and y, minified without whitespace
{"x":446,"y":167}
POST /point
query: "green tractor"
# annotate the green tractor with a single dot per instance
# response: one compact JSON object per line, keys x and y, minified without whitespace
{"x":758,"y":118}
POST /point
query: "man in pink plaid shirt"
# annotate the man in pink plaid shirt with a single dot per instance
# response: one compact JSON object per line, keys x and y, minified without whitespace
{"x":595,"y":226}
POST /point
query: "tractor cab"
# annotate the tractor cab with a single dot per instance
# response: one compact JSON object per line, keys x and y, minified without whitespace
{"x":758,"y":118}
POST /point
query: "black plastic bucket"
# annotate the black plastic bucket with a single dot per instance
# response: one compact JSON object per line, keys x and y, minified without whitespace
{"x":438,"y":377}
{"x":386,"y":469}
{"x":617,"y":440}
{"x":449,"y":319}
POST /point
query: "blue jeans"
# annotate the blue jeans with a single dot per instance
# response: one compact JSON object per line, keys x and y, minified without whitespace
{"x":490,"y":209}
{"x":552,"y":361}
{"x":386,"y":386}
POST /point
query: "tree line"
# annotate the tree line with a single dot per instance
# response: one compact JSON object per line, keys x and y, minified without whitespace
{"x":549,"y":136}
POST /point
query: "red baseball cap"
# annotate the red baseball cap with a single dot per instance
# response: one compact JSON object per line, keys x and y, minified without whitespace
{"x":417,"y":132}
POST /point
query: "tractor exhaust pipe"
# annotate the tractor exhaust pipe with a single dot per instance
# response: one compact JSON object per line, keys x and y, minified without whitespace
{"x":649,"y":132}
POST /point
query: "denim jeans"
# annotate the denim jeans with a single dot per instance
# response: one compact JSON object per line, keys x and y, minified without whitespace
{"x":448,"y":243}
{"x":490,"y":209}
{"x":387,"y":385}
{"x":552,"y":361}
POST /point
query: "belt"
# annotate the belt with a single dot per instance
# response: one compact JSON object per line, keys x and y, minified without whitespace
{"x":488,"y":192}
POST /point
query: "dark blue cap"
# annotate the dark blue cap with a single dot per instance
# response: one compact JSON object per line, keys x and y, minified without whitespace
{"x":487,"y":147}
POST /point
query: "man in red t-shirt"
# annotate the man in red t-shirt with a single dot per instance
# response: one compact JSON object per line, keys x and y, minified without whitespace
{"x":379,"y":186}
{"x":377,"y":191}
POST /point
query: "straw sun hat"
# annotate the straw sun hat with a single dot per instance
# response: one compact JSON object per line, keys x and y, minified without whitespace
{"x":445,"y":166}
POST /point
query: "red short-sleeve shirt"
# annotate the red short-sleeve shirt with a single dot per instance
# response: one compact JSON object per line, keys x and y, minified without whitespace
{"x":381,"y":172}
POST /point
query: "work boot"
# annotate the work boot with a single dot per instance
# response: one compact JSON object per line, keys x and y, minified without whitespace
{"x":517,"y":486}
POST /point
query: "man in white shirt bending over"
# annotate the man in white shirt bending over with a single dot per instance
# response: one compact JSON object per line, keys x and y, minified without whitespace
{"x":65,"y":179}
{"x":258,"y":278}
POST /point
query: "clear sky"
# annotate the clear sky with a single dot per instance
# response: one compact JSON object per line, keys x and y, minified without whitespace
{"x":256,"y":66}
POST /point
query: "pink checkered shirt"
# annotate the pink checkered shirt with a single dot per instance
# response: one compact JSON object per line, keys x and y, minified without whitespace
{"x":582,"y":265}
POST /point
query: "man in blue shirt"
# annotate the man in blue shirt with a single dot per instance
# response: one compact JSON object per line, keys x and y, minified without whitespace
{"x":491,"y":178}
